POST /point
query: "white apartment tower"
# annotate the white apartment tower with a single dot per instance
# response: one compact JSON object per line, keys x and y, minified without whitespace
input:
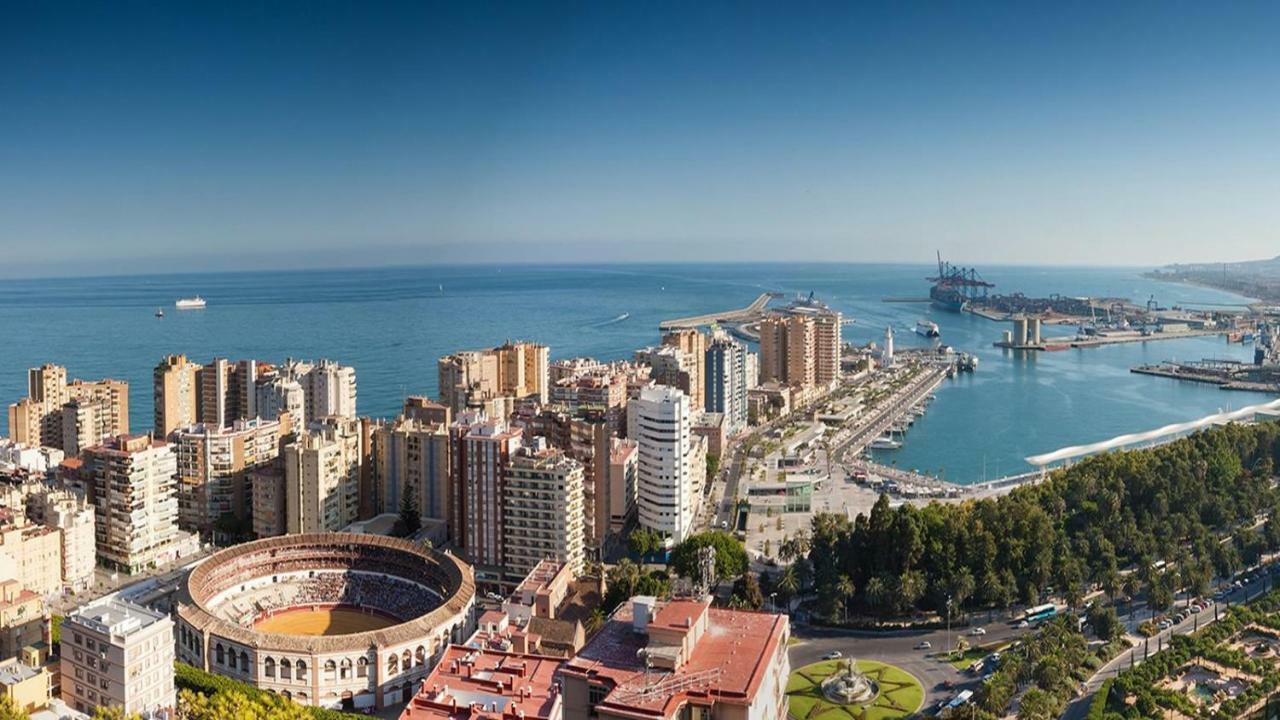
{"x":660,"y":421}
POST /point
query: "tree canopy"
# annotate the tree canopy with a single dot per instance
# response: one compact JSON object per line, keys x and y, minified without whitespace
{"x":1077,"y":529}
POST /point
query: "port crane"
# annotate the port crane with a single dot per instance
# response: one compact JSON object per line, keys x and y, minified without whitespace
{"x":964,"y":280}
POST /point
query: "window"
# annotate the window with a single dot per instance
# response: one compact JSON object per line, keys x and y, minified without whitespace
{"x":269,"y":668}
{"x":286,"y":670}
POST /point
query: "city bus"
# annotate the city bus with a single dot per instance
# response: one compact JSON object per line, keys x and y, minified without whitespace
{"x":1041,"y":612}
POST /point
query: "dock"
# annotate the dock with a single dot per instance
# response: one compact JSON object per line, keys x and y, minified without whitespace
{"x":1065,"y":343}
{"x":751,"y":312}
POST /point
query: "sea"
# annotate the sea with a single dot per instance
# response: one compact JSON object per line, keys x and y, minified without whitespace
{"x":392,"y":324}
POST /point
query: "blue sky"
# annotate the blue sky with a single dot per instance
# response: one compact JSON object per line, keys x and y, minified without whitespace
{"x":159,"y":136}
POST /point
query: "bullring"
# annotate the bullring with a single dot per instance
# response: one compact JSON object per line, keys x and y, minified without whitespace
{"x":328,"y":619}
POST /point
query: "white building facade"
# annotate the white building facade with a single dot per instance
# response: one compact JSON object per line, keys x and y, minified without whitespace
{"x":660,"y":421}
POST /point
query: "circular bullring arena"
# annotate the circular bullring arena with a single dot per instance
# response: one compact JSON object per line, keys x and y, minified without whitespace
{"x":329,"y":619}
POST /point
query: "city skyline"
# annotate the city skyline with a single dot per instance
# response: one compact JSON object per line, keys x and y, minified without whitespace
{"x":172,"y":139}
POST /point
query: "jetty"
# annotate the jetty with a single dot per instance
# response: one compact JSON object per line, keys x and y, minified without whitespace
{"x":750,"y":313}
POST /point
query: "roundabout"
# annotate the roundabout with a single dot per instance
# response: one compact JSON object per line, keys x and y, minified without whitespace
{"x":852,"y":690}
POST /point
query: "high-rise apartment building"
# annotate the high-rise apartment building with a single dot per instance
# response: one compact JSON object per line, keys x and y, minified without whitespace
{"x":492,"y":379}
{"x":213,"y":466}
{"x":726,"y":382}
{"x":481,"y":452}
{"x":176,"y":389}
{"x":269,"y":496}
{"x":620,"y":488}
{"x":542,"y":506}
{"x":411,"y":457}
{"x":322,"y":477}
{"x":672,"y":366}
{"x":70,"y":416}
{"x":135,"y":499}
{"x":660,"y":421}
{"x":228,"y":392}
{"x":118,"y":654}
{"x":279,"y":394}
{"x":801,"y":350}
{"x":329,"y":388}
{"x":827,"y":343}
{"x":694,"y":343}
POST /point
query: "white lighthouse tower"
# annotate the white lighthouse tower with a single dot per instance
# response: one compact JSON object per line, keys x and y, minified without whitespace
{"x":886,"y":357}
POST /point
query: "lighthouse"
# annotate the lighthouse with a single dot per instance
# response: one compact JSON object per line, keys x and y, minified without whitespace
{"x":886,"y":357}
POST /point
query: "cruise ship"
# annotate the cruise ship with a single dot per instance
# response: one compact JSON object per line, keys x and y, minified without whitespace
{"x":927,"y":328}
{"x":191,"y":303}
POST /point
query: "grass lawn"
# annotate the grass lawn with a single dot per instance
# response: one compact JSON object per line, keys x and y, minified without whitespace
{"x":900,"y":693}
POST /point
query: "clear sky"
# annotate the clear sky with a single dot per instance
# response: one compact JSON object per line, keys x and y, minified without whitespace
{"x":171,"y":136}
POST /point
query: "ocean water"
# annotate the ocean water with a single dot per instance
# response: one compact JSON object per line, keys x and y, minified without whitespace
{"x":392,"y":324}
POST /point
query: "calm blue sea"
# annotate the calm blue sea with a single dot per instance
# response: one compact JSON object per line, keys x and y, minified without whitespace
{"x":392,"y":324}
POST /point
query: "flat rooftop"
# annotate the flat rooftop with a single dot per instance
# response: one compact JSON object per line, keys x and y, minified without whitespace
{"x":115,"y":617}
{"x":474,"y":684}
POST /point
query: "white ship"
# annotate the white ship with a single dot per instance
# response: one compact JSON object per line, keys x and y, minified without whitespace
{"x":927,"y":328}
{"x":191,"y":303}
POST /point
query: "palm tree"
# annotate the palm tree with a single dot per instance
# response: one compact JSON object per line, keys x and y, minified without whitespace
{"x":845,"y":588}
{"x":789,"y":583}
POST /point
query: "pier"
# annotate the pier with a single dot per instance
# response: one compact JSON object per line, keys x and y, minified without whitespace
{"x":1064,"y":343}
{"x":882,"y":418}
{"x":751,"y":312}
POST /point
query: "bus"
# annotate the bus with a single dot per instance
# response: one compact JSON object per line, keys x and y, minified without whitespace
{"x":1041,"y":612}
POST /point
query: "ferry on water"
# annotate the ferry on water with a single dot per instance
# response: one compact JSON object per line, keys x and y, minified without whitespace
{"x":927,"y":328}
{"x":191,"y":303}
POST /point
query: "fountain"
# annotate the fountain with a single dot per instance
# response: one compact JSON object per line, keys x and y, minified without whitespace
{"x":849,"y":686}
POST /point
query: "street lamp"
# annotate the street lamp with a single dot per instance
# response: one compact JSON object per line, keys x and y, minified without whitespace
{"x":773,"y":606}
{"x":948,"y":624}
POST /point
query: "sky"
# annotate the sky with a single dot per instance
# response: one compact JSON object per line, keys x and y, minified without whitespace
{"x":178,"y":137}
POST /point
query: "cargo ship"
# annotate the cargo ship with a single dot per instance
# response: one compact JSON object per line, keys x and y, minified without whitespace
{"x":954,"y":287}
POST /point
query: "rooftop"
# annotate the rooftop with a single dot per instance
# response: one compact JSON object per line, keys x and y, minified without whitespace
{"x":115,"y":617}
{"x":482,"y":684}
{"x":726,"y":664}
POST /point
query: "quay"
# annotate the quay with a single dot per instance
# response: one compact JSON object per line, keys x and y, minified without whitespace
{"x":893,"y":409}
{"x":1222,"y":374}
{"x":1064,"y":343}
{"x":751,"y":312}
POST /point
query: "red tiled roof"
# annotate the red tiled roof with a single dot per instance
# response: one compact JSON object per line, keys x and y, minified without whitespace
{"x":468,"y":682}
{"x":731,"y":658}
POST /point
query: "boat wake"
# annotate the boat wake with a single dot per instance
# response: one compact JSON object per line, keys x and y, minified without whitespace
{"x":613,"y":321}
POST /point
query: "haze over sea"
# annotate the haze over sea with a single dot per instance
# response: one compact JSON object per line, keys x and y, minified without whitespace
{"x":391,"y":324}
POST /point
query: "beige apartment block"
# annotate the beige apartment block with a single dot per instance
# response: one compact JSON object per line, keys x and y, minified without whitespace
{"x":543,"y":513}
{"x":22,"y":617}
{"x":213,"y":466}
{"x":135,"y":499}
{"x":31,"y":554}
{"x":322,"y":477}
{"x":117,"y":654}
{"x":176,"y":393}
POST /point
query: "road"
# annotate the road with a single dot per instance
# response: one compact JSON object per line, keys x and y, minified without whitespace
{"x":1078,"y":709}
{"x":899,"y":648}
